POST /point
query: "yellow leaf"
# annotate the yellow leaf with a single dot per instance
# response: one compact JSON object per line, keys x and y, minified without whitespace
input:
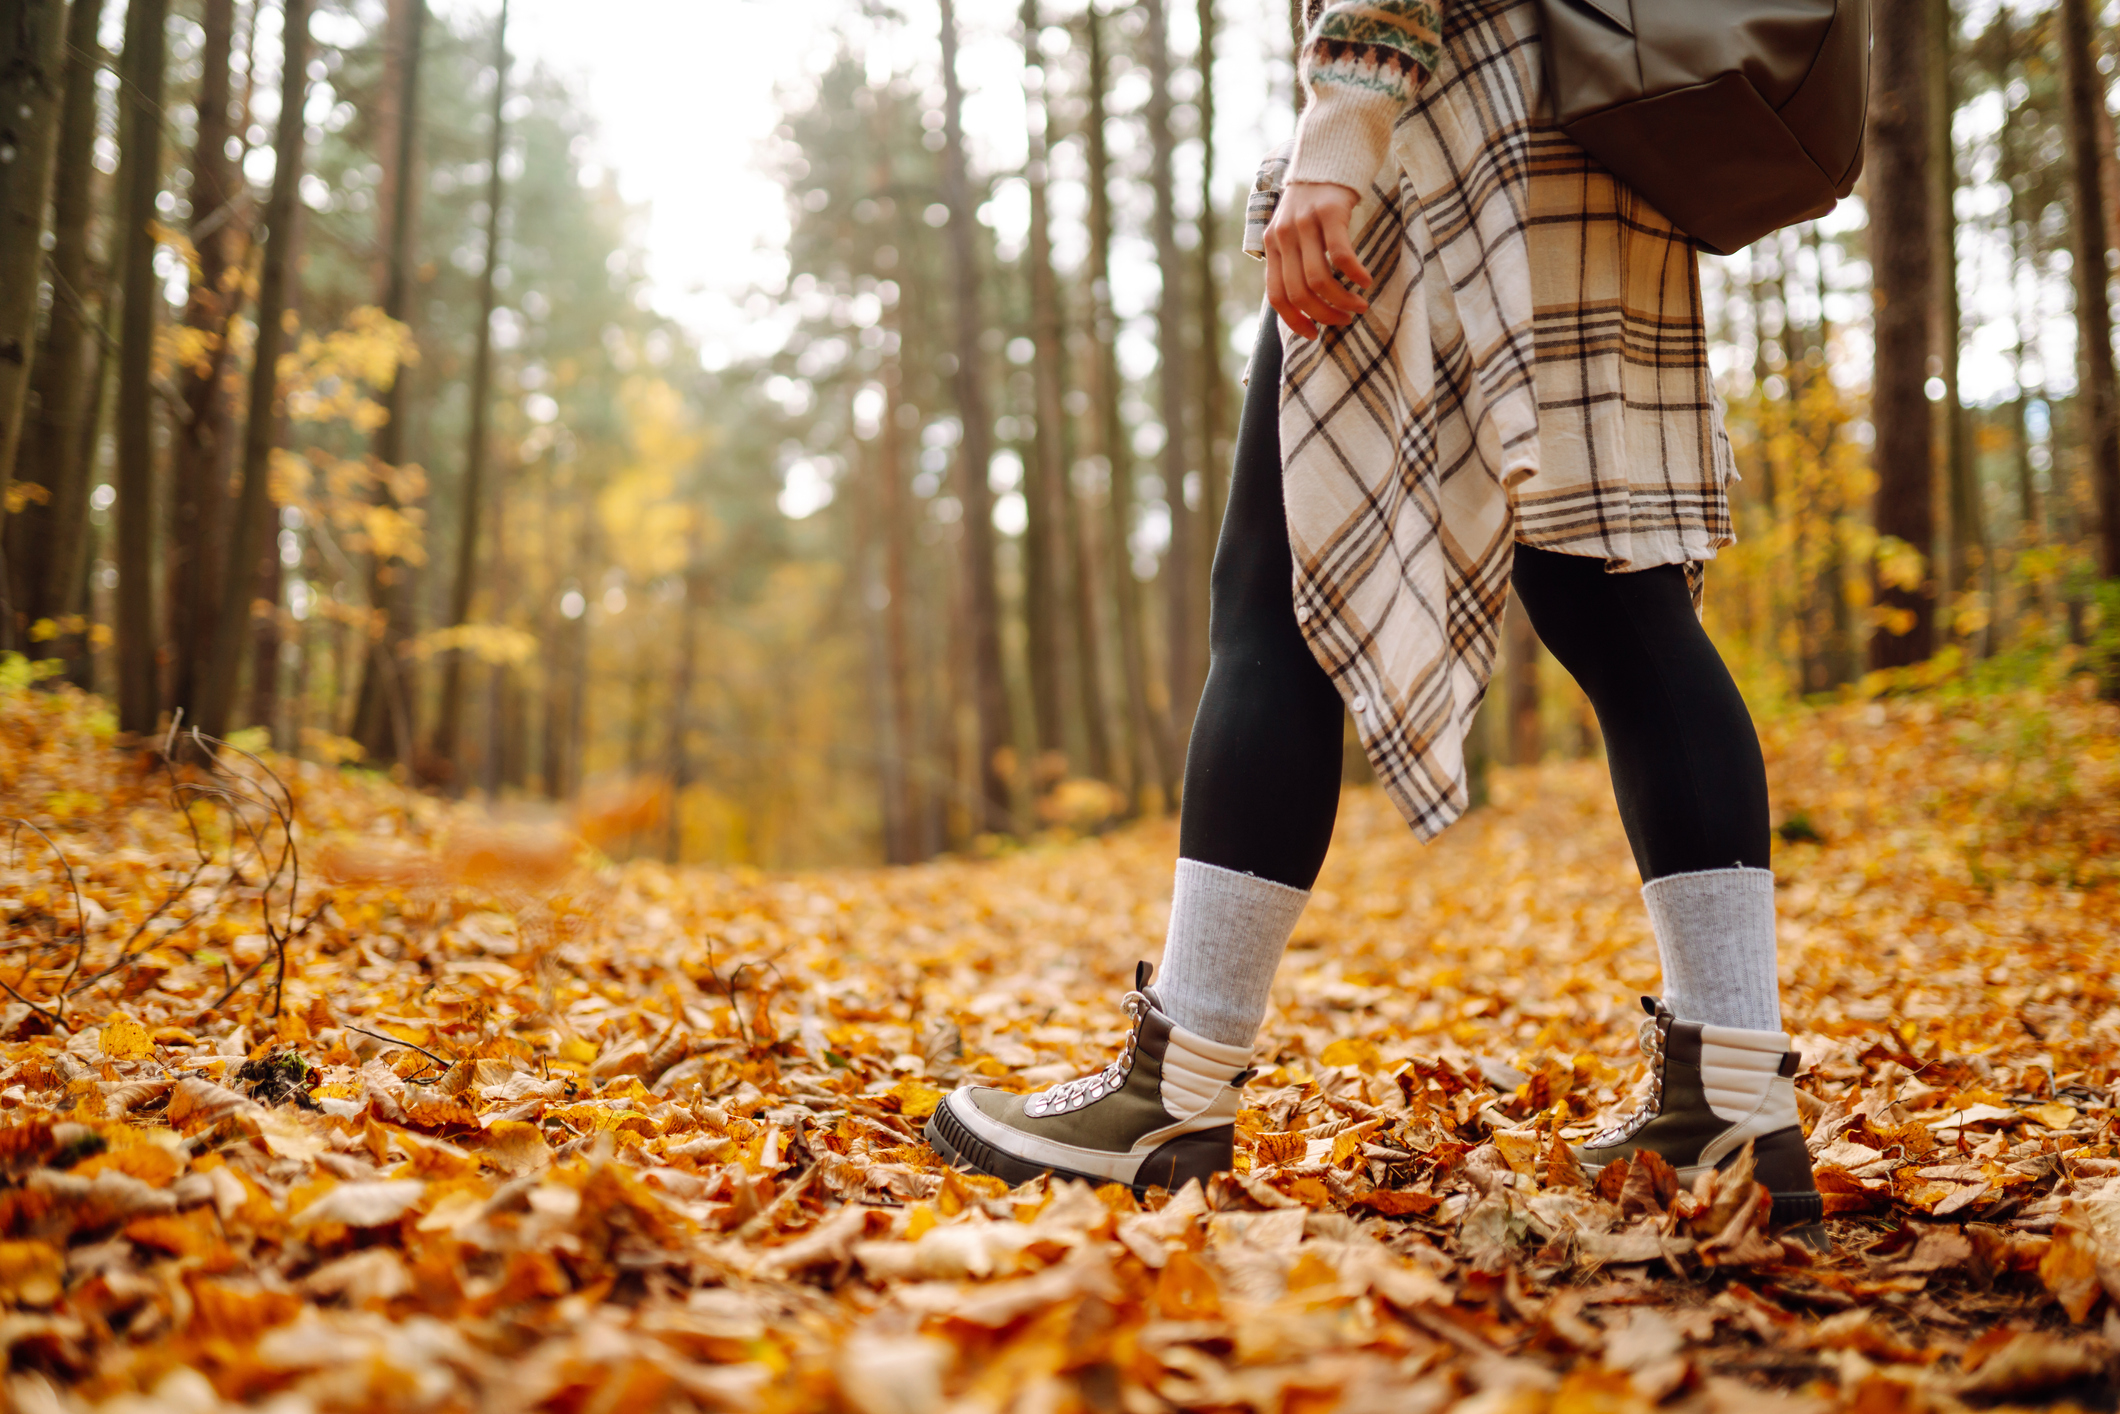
{"x":916,"y":1099}
{"x":2054,"y":1115}
{"x":31,"y":1273}
{"x":126,"y":1039}
{"x":1350,"y":1050}
{"x":578,"y":1050}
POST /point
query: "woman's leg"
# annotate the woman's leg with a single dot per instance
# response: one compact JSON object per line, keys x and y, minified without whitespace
{"x":1262,"y":775}
{"x":1686,"y":769}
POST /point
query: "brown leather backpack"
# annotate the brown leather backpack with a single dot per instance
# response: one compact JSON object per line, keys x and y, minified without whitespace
{"x":1731,"y":117}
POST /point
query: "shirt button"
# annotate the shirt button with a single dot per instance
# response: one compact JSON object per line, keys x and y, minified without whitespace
{"x":1360,"y":703}
{"x":1302,"y":613}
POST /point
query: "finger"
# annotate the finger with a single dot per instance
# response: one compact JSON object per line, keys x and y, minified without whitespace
{"x":1339,"y":250}
{"x":1320,"y":294}
{"x":1277,"y":297}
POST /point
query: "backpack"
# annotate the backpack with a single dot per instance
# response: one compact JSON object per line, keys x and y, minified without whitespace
{"x":1731,"y":117}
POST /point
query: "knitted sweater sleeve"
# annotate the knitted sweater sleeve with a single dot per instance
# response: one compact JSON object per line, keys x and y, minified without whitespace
{"x":1364,"y":61}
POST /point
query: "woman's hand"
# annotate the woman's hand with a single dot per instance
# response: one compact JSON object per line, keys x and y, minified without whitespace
{"x":1306,"y":242}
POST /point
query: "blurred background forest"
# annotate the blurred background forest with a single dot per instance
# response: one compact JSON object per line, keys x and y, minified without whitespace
{"x":338,"y":411}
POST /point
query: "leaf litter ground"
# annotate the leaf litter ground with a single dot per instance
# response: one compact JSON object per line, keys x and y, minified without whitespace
{"x":519,"y":1129}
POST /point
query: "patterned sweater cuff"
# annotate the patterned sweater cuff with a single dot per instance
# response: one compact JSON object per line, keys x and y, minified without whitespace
{"x":1344,"y":136}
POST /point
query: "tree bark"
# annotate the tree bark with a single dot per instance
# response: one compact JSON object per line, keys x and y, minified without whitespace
{"x":139,"y":182}
{"x":1185,"y":666}
{"x":1967,"y":539}
{"x":383,"y":717}
{"x":448,"y":727}
{"x":42,"y":541}
{"x":689,"y":612}
{"x":1216,"y":447}
{"x":1520,"y":670}
{"x":903,"y":842}
{"x":201,"y":442}
{"x":1045,"y":481}
{"x":2084,"y":93}
{"x":1903,"y":270}
{"x":250,"y":525}
{"x":1152,"y":758}
{"x":31,"y":70}
{"x":982,"y":615}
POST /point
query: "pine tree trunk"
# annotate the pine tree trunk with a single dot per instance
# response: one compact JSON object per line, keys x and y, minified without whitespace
{"x":1520,"y":674}
{"x":449,"y":725}
{"x":981,"y":622}
{"x":201,"y":442}
{"x":250,"y":525}
{"x":139,"y":182}
{"x":1902,"y":243}
{"x":383,"y":717}
{"x":1184,"y":666}
{"x":268,"y":590}
{"x":902,"y":833}
{"x":42,"y":540}
{"x":689,"y":614}
{"x":1152,"y":757}
{"x":2085,"y":97}
{"x":1217,"y":449}
{"x":1967,"y":540}
{"x":31,"y":86}
{"x":1048,"y":563}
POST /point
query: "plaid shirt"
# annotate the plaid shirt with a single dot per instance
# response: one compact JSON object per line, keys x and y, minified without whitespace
{"x":1533,"y":367}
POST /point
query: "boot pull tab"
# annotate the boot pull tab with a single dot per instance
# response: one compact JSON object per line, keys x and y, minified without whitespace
{"x":1145,"y":970}
{"x":1649,"y":1004}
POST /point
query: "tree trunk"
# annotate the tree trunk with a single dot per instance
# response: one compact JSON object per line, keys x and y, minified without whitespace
{"x":139,"y":182}
{"x":268,"y":591}
{"x":447,"y":728}
{"x":2085,"y":96}
{"x":1901,"y":259}
{"x":1046,"y":469}
{"x":250,"y":527}
{"x":1217,"y":449}
{"x":902,"y":843}
{"x":43,"y":539}
{"x":1967,"y":540}
{"x":982,"y":615}
{"x":201,"y":441}
{"x":689,"y":612}
{"x":1185,"y":667}
{"x":383,"y":718}
{"x":1152,"y":757}
{"x":1520,"y":670}
{"x":31,"y":79}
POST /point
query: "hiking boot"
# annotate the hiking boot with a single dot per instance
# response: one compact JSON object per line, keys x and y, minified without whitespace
{"x":1165,"y":1111}
{"x":1711,"y":1088}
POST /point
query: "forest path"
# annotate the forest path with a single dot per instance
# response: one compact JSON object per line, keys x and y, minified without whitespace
{"x":623,"y":1137}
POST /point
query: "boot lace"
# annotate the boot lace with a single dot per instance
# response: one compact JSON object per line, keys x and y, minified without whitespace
{"x":1651,"y":1103}
{"x":1074,"y":1094}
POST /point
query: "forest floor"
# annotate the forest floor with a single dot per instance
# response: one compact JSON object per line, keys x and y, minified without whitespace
{"x":531,"y":1130}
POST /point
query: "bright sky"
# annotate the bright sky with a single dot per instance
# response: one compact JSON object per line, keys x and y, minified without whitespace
{"x":687,"y":93}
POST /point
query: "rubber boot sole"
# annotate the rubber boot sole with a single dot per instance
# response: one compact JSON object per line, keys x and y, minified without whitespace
{"x":1200,"y":1155}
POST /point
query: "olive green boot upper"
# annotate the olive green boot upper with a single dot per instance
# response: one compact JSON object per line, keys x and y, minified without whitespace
{"x":1712,"y":1089}
{"x":1162,"y":1113}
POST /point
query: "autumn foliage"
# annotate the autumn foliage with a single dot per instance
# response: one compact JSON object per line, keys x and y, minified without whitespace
{"x":524,"y":1129}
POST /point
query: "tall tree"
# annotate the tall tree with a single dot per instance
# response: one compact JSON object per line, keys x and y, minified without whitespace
{"x":981,"y":600}
{"x":450,"y":724}
{"x":43,"y":540}
{"x":382,"y":717}
{"x":1966,"y":541}
{"x":1045,"y":472}
{"x":202,"y":437}
{"x":31,"y":59}
{"x":1185,"y":666}
{"x":251,"y":522}
{"x":1520,"y":648}
{"x":2085,"y":97}
{"x":1153,"y":758}
{"x":1216,"y":446}
{"x":139,"y":183}
{"x":1902,"y":246}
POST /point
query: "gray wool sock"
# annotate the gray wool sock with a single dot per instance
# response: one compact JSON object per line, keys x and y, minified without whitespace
{"x":1227,"y":934}
{"x":1715,"y":936}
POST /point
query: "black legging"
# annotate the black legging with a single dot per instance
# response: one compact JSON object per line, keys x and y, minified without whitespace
{"x":1262,"y":777}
